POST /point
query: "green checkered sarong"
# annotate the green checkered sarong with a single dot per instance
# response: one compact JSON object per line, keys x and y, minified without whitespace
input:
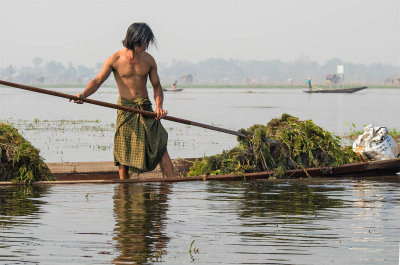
{"x":139,"y":141}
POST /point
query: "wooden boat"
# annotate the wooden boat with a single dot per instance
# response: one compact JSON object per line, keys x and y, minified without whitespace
{"x":106,"y":172}
{"x":338,"y":90}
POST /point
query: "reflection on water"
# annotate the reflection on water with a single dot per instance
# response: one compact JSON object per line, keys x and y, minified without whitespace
{"x":20,"y":201}
{"x":262,"y":199}
{"x":309,"y":221}
{"x":140,"y":213}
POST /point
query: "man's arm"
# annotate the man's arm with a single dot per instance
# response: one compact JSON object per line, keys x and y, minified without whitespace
{"x":102,"y":76}
{"x":158,"y":92}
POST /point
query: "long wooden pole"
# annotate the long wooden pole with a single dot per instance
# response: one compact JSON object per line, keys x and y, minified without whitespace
{"x":115,"y":106}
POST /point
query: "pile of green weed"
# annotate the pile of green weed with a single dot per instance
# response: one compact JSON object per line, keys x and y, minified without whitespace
{"x":19,"y":160}
{"x":297,"y":145}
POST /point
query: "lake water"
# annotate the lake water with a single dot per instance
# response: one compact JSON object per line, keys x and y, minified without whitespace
{"x":345,"y":221}
{"x":312,"y":221}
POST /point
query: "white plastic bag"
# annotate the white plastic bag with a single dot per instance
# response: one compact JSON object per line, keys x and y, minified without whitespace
{"x":376,"y":144}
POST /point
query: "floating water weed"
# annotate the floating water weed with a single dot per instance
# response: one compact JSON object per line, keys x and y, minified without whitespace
{"x":152,"y":195}
{"x":19,"y":160}
{"x":300,"y":144}
{"x":60,"y":137}
{"x":158,"y":255}
{"x":193,"y":250}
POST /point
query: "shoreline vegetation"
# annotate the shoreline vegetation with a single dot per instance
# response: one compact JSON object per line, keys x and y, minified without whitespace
{"x":214,"y":72}
{"x":222,"y":86}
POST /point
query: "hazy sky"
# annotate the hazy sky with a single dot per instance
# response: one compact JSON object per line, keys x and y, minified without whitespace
{"x":88,"y":31}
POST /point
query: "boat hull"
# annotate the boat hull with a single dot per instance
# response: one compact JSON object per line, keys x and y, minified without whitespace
{"x":339,"y":90}
{"x":106,"y":172}
{"x":175,"y":90}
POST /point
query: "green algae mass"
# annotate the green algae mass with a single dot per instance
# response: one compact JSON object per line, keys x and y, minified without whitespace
{"x":298,"y":145}
{"x":19,"y":160}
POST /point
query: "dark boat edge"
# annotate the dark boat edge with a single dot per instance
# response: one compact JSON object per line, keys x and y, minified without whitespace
{"x":105,"y":175}
{"x":170,"y":90}
{"x":339,"y":90}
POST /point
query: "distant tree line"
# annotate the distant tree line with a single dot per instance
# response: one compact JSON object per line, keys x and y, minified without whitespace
{"x":220,"y":71}
{"x":212,"y":71}
{"x":51,"y":73}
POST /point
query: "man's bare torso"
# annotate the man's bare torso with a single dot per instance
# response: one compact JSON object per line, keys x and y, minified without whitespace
{"x":131,"y":72}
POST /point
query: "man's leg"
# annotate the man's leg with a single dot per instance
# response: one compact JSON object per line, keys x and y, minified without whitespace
{"x":166,"y":166}
{"x":123,"y":172}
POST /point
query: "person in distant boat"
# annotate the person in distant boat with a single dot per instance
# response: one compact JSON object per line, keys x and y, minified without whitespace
{"x":140,"y":142}
{"x":173,"y":86}
{"x":309,"y":83}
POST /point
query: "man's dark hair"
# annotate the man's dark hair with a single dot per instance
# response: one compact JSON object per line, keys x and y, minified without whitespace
{"x":137,"y":34}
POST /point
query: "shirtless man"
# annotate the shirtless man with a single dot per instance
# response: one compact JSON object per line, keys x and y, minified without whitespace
{"x":131,"y":66}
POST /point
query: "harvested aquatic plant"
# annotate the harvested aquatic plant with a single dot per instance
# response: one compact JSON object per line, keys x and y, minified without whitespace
{"x":19,"y":160}
{"x":297,"y":145}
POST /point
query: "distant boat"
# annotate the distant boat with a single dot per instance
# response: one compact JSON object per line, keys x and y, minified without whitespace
{"x":337,"y":90}
{"x":172,"y":90}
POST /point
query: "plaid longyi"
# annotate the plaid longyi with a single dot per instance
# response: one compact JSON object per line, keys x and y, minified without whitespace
{"x":139,"y":141}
